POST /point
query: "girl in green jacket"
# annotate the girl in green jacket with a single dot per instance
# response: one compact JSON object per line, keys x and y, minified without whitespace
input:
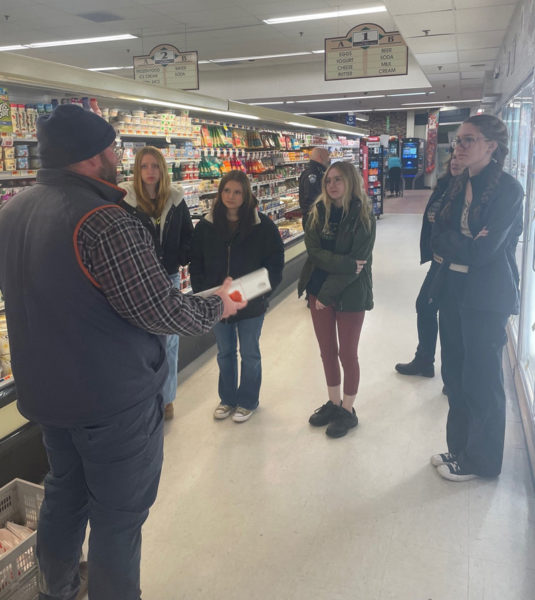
{"x":339,"y":237}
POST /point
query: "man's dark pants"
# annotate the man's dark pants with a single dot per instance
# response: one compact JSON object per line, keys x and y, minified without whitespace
{"x":107,"y":474}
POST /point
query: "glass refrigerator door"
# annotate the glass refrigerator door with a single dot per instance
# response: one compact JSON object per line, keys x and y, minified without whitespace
{"x":522,"y":118}
{"x":527,"y":309}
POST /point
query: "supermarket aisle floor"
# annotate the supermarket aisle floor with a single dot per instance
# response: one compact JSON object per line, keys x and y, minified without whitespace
{"x":272,"y":509}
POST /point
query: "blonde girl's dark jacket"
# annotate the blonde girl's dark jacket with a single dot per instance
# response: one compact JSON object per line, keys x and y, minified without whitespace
{"x":343,"y":288}
{"x":173,"y":233}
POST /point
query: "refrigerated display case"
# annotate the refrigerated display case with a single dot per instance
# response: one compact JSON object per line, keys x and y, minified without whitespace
{"x":518,"y":115}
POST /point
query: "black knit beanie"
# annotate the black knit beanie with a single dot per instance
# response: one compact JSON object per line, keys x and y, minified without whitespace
{"x":70,"y":134}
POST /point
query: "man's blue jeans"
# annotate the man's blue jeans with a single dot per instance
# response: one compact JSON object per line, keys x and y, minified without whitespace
{"x":107,"y":474}
{"x":227,"y":335}
{"x":171,"y":352}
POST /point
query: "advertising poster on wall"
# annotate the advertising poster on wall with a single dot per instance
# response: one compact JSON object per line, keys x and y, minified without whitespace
{"x":432,"y":137}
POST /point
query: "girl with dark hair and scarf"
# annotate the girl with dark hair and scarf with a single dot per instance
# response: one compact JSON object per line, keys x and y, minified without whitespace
{"x":474,"y":239}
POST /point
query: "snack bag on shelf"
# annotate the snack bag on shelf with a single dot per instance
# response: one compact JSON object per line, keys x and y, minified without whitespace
{"x":6,"y":123}
{"x":206,"y":138}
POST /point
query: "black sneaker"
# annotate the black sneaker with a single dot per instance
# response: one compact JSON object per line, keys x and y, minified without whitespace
{"x":416,"y":367}
{"x":342,"y":422}
{"x":323,"y":415}
{"x":453,"y":471}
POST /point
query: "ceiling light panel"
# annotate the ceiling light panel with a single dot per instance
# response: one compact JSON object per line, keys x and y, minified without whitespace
{"x":311,"y":101}
{"x":326,"y":15}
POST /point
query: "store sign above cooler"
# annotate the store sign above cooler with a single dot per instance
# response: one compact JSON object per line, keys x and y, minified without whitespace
{"x":166,"y":66}
{"x":366,"y":51}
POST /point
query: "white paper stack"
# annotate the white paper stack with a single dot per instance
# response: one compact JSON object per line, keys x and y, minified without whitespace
{"x":250,"y":286}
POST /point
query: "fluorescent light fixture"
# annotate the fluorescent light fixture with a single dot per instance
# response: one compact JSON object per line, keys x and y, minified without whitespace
{"x":295,"y":124}
{"x":109,"y":68}
{"x":226,"y":113}
{"x":442,"y":102}
{"x":10,"y":48}
{"x":439,"y":106}
{"x":106,"y":38}
{"x":411,"y":94}
{"x":338,"y":99}
{"x":265,"y":56}
{"x":265,"y":103}
{"x":318,"y":52}
{"x":332,"y":112}
{"x":449,"y":108}
{"x":327,"y":15}
{"x":346,"y":132}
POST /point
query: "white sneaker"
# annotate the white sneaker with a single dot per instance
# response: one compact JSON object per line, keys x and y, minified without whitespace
{"x":223,"y":411}
{"x":442,"y":459}
{"x":454,"y":472}
{"x":241,"y":414}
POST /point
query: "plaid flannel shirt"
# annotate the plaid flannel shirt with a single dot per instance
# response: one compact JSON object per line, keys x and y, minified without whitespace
{"x":118,"y":253}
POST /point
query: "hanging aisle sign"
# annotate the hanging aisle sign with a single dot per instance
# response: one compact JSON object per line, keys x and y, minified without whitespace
{"x":165,"y":65}
{"x":366,"y":51}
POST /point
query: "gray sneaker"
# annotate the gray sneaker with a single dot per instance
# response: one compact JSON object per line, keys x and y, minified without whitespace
{"x":242,"y":414}
{"x":223,"y":411}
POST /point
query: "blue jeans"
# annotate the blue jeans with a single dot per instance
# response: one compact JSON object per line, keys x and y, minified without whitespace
{"x":171,"y":351}
{"x":227,"y":335}
{"x":107,"y":474}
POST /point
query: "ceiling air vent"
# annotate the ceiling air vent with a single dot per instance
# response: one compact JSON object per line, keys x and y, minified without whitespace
{"x":100,"y":17}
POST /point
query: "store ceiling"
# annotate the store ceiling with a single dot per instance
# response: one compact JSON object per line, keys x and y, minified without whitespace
{"x":454,"y":42}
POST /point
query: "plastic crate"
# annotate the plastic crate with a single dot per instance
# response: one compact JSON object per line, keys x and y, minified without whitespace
{"x":20,"y":501}
{"x":27,"y":588}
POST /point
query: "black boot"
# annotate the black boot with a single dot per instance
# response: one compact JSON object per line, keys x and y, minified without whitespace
{"x":416,"y":367}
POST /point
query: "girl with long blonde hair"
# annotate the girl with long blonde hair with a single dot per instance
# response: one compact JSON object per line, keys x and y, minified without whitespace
{"x":337,"y":276}
{"x":159,"y":205}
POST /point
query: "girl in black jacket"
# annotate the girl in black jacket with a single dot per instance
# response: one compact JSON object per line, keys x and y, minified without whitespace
{"x":426,"y":312}
{"x":474,"y":241}
{"x":233,"y":240}
{"x":160,"y":206}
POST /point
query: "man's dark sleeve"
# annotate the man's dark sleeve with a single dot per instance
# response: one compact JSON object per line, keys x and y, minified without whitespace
{"x":309,"y":189}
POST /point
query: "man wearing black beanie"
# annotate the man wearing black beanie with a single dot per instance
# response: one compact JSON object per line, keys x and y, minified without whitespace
{"x":86,"y":304}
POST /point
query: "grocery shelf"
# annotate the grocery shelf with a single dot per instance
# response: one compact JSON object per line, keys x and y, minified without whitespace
{"x":20,"y":138}
{"x":8,"y":175}
{"x":293,"y":237}
{"x":151,"y":135}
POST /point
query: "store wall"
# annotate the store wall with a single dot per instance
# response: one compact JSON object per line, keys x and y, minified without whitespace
{"x":516,"y":58}
{"x":260,"y":81}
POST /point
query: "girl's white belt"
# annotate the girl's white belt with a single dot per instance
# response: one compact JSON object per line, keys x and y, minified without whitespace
{"x":452,"y":266}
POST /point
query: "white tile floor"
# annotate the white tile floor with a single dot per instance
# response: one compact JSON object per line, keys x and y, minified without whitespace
{"x":272,"y":509}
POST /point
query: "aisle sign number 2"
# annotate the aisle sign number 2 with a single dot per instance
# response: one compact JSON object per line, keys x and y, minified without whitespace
{"x":165,"y":65}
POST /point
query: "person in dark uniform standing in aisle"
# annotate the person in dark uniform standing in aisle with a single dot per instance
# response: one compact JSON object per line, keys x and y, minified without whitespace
{"x":426,"y":311}
{"x":474,"y":241}
{"x":88,"y":305}
{"x":310,"y":180}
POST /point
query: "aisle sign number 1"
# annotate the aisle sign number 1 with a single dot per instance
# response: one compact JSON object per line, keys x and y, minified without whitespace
{"x":367,"y":50}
